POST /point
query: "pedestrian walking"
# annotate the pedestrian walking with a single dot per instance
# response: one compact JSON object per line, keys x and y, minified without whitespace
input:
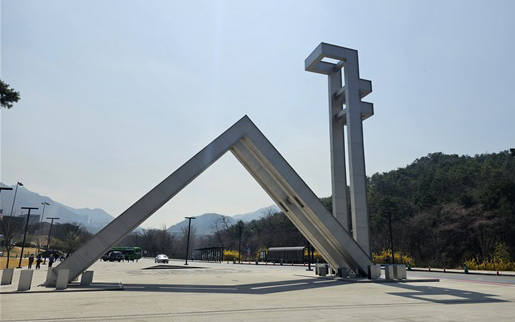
{"x":31,"y":260}
{"x":38,"y":262}
{"x":50,"y":260}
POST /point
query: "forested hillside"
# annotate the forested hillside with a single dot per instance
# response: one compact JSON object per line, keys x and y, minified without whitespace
{"x":446,"y":209}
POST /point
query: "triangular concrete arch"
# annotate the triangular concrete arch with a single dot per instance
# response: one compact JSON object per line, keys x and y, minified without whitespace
{"x":269,"y":169}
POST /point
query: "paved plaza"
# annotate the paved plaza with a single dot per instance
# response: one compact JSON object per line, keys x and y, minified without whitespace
{"x":145,"y":291}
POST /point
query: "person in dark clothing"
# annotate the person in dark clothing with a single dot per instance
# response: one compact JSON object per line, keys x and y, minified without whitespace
{"x":38,"y":262}
{"x":50,"y":260}
{"x":31,"y":260}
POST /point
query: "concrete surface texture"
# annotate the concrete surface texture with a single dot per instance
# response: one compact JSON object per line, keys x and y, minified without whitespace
{"x":131,"y":291}
{"x":270,"y":170}
{"x":352,"y":116}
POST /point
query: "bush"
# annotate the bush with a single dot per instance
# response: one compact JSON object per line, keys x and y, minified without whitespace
{"x":386,"y":253}
{"x":490,"y":265}
{"x":230,"y":255}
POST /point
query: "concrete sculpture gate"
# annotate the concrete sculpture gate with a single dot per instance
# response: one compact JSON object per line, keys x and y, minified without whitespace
{"x":352,"y":116}
{"x":326,"y":232}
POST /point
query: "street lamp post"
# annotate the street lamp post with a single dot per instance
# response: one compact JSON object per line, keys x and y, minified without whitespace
{"x":44,"y":203}
{"x":50,"y":230}
{"x":239,"y":244}
{"x":188,"y":243}
{"x":25,"y":233}
{"x":391,"y":235}
{"x":309,"y":258}
{"x":4,"y":188}
{"x":14,"y":200}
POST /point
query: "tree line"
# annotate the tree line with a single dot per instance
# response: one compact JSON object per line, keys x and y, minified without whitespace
{"x":446,"y":209}
{"x":443,"y":210}
{"x":65,"y":237}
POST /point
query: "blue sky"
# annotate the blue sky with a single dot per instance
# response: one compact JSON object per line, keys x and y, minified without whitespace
{"x":116,"y":95}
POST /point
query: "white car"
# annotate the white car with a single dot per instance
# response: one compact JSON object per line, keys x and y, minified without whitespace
{"x":161,"y":258}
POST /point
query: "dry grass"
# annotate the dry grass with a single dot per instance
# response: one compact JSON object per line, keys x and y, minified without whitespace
{"x":15,"y":257}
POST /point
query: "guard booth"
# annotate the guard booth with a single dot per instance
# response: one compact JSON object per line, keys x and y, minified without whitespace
{"x":287,"y":254}
{"x":211,"y":254}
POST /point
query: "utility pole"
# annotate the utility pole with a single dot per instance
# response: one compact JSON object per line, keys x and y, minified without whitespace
{"x":240,"y":226}
{"x":391,"y":234}
{"x":188,"y":243}
{"x":25,"y":233}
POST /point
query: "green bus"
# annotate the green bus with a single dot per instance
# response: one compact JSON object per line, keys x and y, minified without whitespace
{"x":129,"y":253}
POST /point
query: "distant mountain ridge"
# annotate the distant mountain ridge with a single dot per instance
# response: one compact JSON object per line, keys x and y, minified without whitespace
{"x":205,"y":224}
{"x":92,"y":219}
{"x":96,"y":219}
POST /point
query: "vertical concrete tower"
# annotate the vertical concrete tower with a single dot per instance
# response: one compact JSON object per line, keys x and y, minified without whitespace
{"x":346,"y":110}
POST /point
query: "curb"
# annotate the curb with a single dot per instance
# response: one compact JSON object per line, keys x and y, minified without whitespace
{"x":454,"y":271}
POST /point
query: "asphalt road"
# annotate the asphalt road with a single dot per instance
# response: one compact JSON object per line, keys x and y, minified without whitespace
{"x":466,"y":278}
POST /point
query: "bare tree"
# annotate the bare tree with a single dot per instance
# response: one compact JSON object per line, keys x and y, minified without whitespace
{"x":221,"y":227}
{"x":12,"y":230}
{"x":265,"y":231}
{"x":71,"y":236}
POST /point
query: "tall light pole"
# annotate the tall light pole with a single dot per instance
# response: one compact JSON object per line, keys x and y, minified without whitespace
{"x":25,"y":233}
{"x":44,"y":203}
{"x":188,"y":243}
{"x":14,"y":200}
{"x":50,"y":230}
{"x":240,"y":226}
{"x":5,"y":188}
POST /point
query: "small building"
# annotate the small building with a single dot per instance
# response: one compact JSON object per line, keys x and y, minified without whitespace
{"x":287,"y":254}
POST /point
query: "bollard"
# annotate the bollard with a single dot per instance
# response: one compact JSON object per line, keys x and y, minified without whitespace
{"x":466,"y":268}
{"x":25,"y":280}
{"x":388,"y":272}
{"x":7,"y":276}
{"x":399,"y":271}
{"x":62,"y":279}
{"x":87,"y":278}
{"x":49,"y":273}
{"x":372,"y":272}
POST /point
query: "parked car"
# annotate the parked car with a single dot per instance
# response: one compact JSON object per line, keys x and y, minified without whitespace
{"x":115,"y":256}
{"x":105,"y":257}
{"x":161,"y":258}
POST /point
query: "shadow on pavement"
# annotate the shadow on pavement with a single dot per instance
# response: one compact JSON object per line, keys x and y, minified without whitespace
{"x":255,"y":288}
{"x":442,"y":295}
